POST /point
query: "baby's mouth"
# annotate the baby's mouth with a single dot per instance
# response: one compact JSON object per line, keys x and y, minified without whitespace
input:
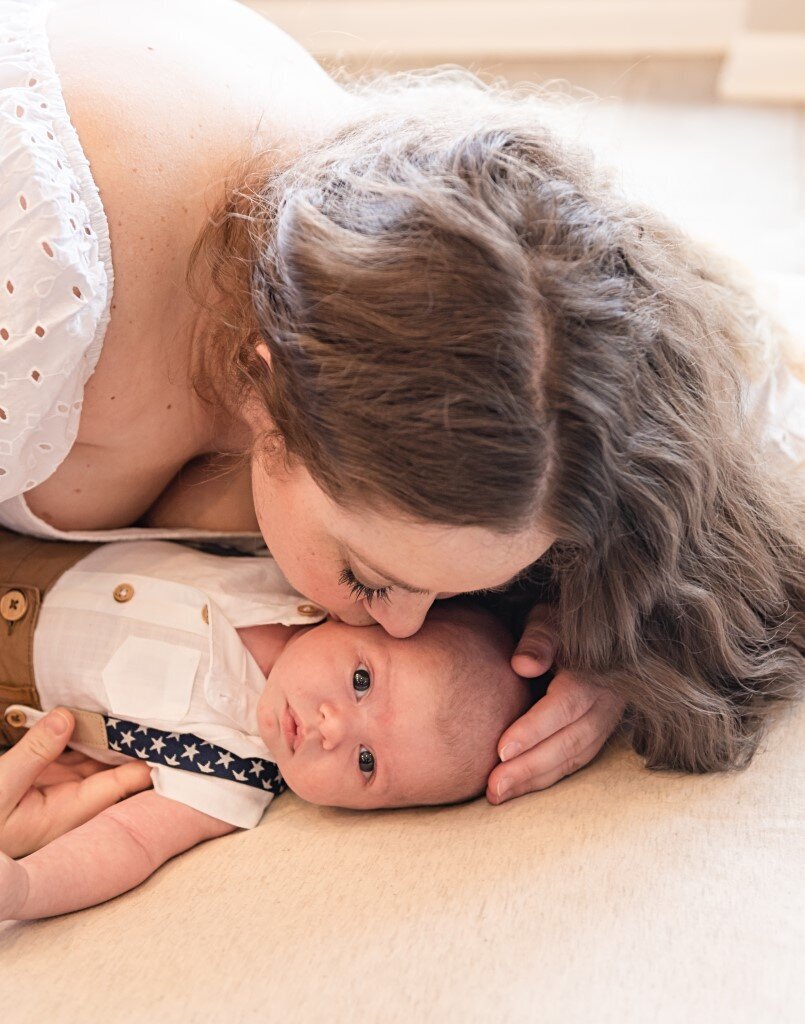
{"x":291,"y":730}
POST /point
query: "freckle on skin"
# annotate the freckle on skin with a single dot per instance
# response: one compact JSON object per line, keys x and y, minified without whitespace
{"x":170,"y":406}
{"x":111,"y":398}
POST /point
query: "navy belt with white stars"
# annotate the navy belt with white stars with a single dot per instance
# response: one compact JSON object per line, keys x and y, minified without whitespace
{"x":188,"y":753}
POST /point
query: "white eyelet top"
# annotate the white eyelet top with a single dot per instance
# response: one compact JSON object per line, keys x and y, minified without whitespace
{"x":56,"y":279}
{"x":56,"y":268}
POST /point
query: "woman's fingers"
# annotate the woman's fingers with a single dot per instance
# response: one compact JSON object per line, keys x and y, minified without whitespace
{"x":565,"y":701}
{"x":537,"y":648}
{"x":107,"y":787}
{"x":86,"y":767}
{"x":45,"y":812}
{"x":538,"y":769}
{"x":70,"y":757}
{"x":576,"y":724}
{"x":104,"y":788}
{"x":59,"y":772}
{"x":21,"y":766}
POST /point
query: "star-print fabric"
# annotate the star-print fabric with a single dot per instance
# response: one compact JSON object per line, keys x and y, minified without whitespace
{"x":190,"y":754}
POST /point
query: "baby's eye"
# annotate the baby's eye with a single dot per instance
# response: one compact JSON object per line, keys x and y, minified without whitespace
{"x":366,"y":761}
{"x":361,"y":680}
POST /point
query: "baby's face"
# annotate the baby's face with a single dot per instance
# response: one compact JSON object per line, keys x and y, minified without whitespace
{"x":350,"y":716}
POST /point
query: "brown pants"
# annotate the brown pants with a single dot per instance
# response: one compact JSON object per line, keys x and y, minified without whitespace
{"x":28,"y":569}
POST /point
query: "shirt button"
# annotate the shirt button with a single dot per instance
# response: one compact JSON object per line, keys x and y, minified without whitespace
{"x":13,"y":605}
{"x":17,"y":719}
{"x":309,"y":610}
{"x":123,"y":592}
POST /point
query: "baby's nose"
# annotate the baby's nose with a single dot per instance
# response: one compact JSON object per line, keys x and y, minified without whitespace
{"x":332,"y":726}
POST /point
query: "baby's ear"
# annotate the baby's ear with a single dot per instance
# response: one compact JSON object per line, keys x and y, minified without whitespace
{"x":262,"y":350}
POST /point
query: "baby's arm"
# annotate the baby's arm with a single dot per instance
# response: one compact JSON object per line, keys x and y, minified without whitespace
{"x":103,"y":858}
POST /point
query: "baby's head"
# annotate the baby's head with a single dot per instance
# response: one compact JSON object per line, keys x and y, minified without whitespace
{"x":357,"y":718}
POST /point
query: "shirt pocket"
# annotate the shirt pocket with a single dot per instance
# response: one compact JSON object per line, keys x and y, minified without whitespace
{"x":150,"y":679}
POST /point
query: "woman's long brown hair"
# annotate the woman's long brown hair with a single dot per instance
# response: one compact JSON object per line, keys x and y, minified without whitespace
{"x":469,"y":325}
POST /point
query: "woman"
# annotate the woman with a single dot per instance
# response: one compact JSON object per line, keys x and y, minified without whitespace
{"x":446,"y":349}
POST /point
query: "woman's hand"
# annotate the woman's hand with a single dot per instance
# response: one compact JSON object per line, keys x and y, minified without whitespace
{"x":560,"y":733}
{"x":45,"y":792}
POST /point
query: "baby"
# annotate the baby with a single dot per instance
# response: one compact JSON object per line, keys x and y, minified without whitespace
{"x":210,"y":670}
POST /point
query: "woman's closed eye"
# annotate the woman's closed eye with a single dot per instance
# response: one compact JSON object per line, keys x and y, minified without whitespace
{"x":360,"y":591}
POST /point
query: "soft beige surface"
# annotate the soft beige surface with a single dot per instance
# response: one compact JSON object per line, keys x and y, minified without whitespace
{"x":618,"y":895}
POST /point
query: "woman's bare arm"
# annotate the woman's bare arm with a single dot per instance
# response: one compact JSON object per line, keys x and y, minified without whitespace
{"x":210,"y":493}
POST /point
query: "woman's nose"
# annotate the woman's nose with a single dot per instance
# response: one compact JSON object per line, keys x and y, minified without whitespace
{"x":402,"y":615}
{"x":332,"y":726}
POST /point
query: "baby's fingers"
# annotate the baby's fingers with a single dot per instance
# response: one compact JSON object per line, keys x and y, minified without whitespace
{"x":566,"y":700}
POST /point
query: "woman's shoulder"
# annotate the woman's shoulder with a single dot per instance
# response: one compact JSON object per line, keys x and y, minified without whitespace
{"x":176,"y":91}
{"x":166,"y":99}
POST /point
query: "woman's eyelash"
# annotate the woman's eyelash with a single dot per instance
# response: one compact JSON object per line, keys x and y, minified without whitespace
{"x":359,"y":590}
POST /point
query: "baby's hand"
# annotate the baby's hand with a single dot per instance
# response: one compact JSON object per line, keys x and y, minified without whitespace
{"x":560,"y":733}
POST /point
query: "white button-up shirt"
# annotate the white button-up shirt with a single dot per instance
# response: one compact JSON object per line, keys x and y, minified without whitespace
{"x":146,"y":630}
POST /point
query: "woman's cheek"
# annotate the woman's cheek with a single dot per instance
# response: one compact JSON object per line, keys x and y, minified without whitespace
{"x":314,"y":584}
{"x":297,"y":562}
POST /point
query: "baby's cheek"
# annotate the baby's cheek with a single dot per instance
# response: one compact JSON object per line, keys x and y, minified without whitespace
{"x":267,"y":724}
{"x":296,"y":781}
{"x":316,"y":784}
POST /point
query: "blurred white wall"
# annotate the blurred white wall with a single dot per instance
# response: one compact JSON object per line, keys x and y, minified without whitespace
{"x":686,"y":49}
{"x":349,"y":28}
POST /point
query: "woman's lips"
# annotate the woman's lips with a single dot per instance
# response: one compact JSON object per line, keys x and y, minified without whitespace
{"x":291,"y":730}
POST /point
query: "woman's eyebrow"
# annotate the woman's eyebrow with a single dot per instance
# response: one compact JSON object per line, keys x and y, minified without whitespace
{"x":386,"y":575}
